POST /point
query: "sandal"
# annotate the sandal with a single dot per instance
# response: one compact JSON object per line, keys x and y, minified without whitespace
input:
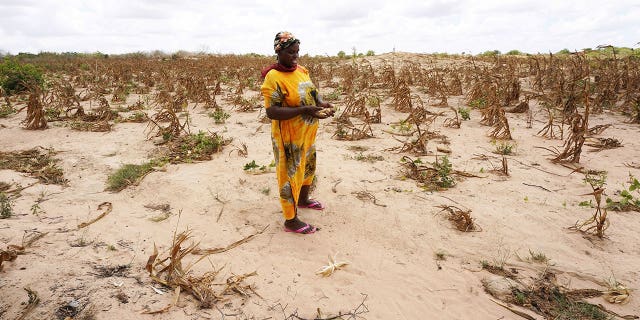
{"x":306,"y":229}
{"x":313,"y":204}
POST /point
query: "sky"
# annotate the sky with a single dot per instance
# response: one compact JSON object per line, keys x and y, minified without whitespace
{"x":323,"y":27}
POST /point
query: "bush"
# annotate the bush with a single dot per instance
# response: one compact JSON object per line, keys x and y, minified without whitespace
{"x":490,"y":53}
{"x":15,"y":77}
{"x":341,"y":54}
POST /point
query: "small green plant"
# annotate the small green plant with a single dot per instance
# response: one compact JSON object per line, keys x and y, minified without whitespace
{"x":444,"y":169}
{"x":266,"y":191}
{"x":441,"y":255}
{"x":6,"y":111}
{"x":36,"y":210}
{"x":82,"y":240}
{"x":627,"y":201}
{"x":403,"y":127}
{"x":521,"y":297}
{"x":374,"y":101}
{"x":479,"y":103}
{"x":251,"y":165}
{"x":526,"y":199}
{"x":127,"y":175}
{"x":596,"y":179}
{"x":219,"y":116}
{"x":504,"y":147}
{"x":539,"y":257}
{"x":6,"y":206}
{"x":464,"y":113}
{"x":586,"y":204}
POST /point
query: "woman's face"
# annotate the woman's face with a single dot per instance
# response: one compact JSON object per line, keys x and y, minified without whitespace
{"x":288,"y":57}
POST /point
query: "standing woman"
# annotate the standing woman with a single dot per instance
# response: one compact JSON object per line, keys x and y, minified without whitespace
{"x":294,"y":106}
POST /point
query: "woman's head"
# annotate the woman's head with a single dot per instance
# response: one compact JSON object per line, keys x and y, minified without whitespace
{"x":287,"y":47}
{"x":283,"y":40}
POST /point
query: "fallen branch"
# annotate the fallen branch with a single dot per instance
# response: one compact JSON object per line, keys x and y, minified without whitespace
{"x":102,"y":215}
{"x":229,"y":247}
{"x":533,"y":185}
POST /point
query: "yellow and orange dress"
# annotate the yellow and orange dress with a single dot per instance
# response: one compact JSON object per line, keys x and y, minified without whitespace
{"x":293,"y":139}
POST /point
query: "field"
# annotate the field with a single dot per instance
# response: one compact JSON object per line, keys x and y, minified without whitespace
{"x":456,"y":187}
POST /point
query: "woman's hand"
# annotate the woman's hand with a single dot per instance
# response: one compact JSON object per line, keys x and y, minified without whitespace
{"x":327,"y":110}
{"x":320,"y":112}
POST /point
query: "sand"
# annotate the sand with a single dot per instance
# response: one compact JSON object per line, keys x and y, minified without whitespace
{"x":406,"y":260}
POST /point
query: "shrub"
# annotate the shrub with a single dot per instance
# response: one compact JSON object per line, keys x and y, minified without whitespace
{"x":16,"y":77}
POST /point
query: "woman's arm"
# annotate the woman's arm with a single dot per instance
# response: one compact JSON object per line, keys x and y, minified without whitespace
{"x":278,"y":112}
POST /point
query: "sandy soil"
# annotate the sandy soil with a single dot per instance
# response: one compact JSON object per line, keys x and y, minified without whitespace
{"x":406,"y":260}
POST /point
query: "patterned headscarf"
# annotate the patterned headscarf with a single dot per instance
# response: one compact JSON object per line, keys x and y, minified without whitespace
{"x":283,"y":40}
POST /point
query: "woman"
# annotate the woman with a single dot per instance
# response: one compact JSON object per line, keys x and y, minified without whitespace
{"x":294,"y":107}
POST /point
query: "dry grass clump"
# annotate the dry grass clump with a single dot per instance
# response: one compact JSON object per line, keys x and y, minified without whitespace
{"x":38,"y":162}
{"x":600,"y":144}
{"x":168,"y":269}
{"x":13,"y":251}
{"x":461,"y":219}
{"x":100,"y":126}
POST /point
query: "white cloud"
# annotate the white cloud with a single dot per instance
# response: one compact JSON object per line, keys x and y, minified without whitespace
{"x":326,"y":27}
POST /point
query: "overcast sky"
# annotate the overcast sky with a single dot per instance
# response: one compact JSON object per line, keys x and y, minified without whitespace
{"x":324,"y":27}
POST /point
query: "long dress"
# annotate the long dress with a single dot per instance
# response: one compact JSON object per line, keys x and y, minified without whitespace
{"x":293,"y":139}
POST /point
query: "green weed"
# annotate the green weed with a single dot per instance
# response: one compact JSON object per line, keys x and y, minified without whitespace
{"x":6,"y":206}
{"x":465,"y":114}
{"x":478,"y":103}
{"x":6,"y":111}
{"x":219,"y":116}
{"x":504,"y":147}
{"x":403,"y":127}
{"x":627,"y":200}
{"x":444,"y":169}
{"x":127,"y":175}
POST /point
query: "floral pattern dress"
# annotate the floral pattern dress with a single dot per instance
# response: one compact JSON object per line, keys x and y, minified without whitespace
{"x":293,"y":139}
